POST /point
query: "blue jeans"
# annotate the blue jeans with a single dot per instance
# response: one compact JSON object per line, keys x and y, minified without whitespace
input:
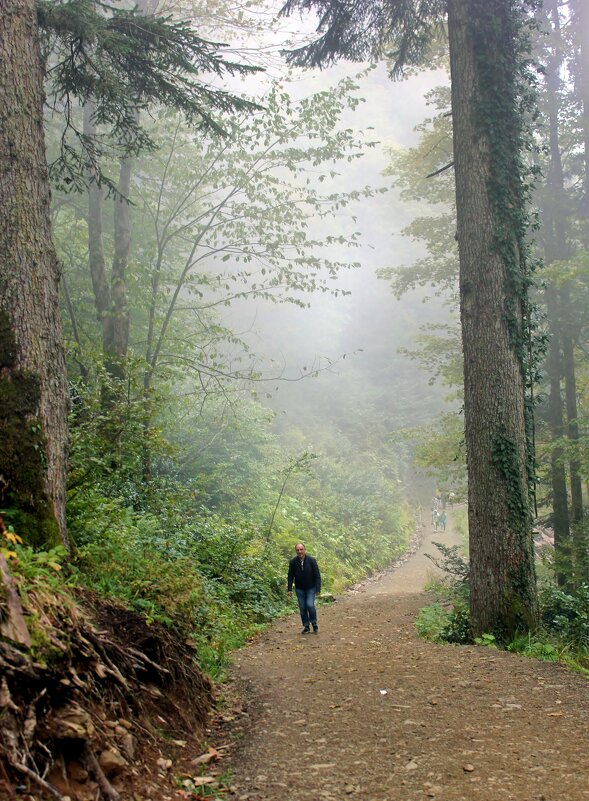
{"x":306,"y":599}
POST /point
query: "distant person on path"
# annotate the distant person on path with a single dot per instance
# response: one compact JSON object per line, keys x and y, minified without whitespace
{"x":442,"y":520}
{"x":434,"y":509}
{"x":304,"y":572}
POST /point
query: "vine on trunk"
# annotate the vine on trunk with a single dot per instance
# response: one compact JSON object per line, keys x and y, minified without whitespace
{"x":504,"y":119}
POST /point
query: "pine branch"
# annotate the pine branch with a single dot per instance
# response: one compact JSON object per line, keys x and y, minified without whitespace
{"x":126,"y":62}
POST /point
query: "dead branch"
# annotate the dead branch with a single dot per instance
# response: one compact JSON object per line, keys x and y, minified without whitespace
{"x":442,"y":169}
{"x":34,"y":777}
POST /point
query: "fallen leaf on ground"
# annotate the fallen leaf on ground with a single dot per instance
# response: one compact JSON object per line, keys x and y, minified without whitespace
{"x":207,"y":757}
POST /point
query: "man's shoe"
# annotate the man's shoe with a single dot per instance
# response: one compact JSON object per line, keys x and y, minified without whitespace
{"x":306,"y":630}
{"x":315,"y":629}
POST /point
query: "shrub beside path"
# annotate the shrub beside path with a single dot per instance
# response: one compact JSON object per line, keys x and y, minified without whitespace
{"x":368,"y":711}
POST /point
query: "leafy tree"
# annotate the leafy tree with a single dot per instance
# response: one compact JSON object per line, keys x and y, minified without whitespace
{"x":252,"y":217}
{"x":242,"y":223}
{"x":116,"y":63}
{"x":423,"y":174}
{"x":488,"y":51}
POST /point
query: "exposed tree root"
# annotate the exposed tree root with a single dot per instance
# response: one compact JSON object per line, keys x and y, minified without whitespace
{"x":106,"y":788}
{"x":36,"y":779}
{"x":68,"y":707}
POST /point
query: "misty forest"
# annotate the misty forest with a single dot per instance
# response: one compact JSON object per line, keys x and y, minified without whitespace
{"x":294,"y":329}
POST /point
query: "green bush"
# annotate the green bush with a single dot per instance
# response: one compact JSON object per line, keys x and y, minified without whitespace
{"x":533,"y":645}
{"x":457,"y":628}
{"x":431,"y":621}
{"x":442,"y":623}
{"x":212,"y":580}
{"x":567,"y":615}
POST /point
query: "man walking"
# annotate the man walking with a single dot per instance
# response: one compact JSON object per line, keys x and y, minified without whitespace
{"x":304,"y":571}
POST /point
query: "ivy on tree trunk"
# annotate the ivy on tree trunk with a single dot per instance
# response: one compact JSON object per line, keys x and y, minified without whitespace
{"x":491,"y":225}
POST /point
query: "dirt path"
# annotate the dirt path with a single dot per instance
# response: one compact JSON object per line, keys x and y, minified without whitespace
{"x":368,"y":711}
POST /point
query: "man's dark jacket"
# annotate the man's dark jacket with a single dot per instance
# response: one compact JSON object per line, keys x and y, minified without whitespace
{"x":305,"y":578}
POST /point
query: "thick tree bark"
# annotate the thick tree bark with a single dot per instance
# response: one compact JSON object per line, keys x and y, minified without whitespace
{"x":33,"y":384}
{"x":502,"y":571}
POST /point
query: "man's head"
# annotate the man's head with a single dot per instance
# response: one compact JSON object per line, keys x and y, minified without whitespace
{"x":300,"y":550}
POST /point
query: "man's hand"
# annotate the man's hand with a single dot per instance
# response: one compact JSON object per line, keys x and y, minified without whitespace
{"x":289,"y":593}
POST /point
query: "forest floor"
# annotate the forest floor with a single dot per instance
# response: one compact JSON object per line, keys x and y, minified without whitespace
{"x":368,"y":711}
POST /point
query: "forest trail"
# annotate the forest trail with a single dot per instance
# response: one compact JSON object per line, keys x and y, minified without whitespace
{"x":456,"y":723}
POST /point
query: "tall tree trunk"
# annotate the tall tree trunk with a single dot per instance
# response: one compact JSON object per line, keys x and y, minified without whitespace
{"x":580,"y":9}
{"x":560,"y":511}
{"x":96,"y":260}
{"x":492,"y":295}
{"x":570,"y":380}
{"x":33,"y":383}
{"x":110,"y":292}
{"x":558,"y":248}
{"x":580,"y":538}
{"x":553,"y":202}
{"x":118,"y":347}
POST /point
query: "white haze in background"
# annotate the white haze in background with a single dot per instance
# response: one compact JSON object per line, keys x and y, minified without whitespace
{"x":288,"y":338}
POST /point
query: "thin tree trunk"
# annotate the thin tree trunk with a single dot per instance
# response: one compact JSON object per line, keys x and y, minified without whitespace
{"x":502,"y":571}
{"x":572,"y":415}
{"x":96,"y":260}
{"x":580,"y":10}
{"x":118,"y":347}
{"x":77,"y":356}
{"x":33,"y":383}
{"x":580,"y":538}
{"x":560,"y":511}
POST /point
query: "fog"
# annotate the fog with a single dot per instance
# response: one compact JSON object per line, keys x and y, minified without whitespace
{"x":353,"y":339}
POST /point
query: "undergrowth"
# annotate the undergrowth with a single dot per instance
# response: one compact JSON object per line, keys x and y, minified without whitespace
{"x":563,"y":634}
{"x":215,"y":579}
{"x":214,"y":582}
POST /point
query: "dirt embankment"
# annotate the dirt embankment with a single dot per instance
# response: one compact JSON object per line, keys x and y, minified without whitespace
{"x":99,"y":720}
{"x":367,"y":710}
